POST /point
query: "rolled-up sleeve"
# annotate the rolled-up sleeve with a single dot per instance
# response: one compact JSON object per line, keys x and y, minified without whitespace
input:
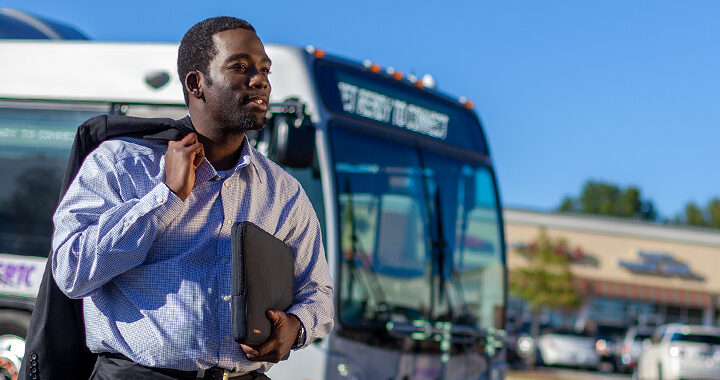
{"x":99,"y":232}
{"x":313,"y":298}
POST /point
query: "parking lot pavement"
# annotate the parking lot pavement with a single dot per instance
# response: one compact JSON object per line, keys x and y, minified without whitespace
{"x":544,"y":373}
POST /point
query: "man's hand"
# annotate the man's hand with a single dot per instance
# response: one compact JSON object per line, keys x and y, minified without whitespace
{"x":284,"y":332}
{"x":181,"y":160}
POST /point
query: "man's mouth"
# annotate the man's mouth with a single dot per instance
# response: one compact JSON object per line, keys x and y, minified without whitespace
{"x":258,"y":102}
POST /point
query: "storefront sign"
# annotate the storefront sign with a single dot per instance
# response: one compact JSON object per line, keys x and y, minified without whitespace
{"x":658,"y":264}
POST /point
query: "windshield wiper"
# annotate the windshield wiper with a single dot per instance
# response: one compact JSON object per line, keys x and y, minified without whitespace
{"x":369,"y":278}
{"x":438,"y":243}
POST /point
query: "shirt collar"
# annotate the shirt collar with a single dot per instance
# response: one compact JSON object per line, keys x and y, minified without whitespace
{"x":206,"y":171}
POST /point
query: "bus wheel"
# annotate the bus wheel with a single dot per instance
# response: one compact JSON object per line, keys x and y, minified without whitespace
{"x":13,"y":330}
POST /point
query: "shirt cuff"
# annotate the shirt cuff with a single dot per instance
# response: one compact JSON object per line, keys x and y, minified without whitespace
{"x":305,"y":320}
{"x":165,"y":204}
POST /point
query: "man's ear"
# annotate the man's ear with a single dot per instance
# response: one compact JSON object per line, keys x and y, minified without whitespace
{"x":193,"y":84}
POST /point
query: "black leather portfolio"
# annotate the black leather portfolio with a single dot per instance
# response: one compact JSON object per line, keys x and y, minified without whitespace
{"x":262,"y":278}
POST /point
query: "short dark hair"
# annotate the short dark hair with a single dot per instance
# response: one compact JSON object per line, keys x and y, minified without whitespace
{"x":197,"y":47}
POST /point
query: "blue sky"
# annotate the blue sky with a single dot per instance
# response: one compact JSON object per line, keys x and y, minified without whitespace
{"x":615,"y":90}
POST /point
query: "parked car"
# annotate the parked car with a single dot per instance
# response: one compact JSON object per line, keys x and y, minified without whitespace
{"x":568,"y":349}
{"x":630,"y":348}
{"x":607,"y":338}
{"x":678,"y":351}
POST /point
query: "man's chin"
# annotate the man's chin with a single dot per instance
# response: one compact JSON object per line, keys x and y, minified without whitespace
{"x":251,"y":122}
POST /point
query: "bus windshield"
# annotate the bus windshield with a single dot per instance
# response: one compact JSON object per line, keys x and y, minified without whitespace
{"x":35,"y":141}
{"x":419,"y":235}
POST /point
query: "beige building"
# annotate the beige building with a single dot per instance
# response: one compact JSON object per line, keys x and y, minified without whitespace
{"x":630,"y":272}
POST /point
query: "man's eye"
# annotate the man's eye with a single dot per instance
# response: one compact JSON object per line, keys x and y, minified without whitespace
{"x":266,"y":71}
{"x":239,"y":66}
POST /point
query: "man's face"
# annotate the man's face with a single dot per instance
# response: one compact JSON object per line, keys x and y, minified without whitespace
{"x":238,"y":96}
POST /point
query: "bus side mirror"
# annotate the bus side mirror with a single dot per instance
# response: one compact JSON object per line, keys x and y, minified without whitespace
{"x":293,"y":140}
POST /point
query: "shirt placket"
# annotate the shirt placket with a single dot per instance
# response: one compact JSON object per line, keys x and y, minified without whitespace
{"x":230,"y":195}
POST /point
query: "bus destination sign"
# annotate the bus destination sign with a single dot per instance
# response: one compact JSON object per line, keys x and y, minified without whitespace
{"x":383,"y":108}
{"x":391,"y":103}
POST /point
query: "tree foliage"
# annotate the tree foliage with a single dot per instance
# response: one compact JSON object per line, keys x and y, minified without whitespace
{"x":696,"y":215}
{"x":547,"y":280}
{"x":602,"y":198}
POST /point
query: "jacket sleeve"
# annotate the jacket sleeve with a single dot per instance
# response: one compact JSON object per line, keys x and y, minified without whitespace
{"x":313,"y":298}
{"x":98,"y":233}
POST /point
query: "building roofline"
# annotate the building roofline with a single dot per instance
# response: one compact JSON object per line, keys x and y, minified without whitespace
{"x":614,"y":226}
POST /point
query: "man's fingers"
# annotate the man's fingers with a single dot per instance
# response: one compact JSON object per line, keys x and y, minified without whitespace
{"x":249,"y":350}
{"x":189,"y":139}
{"x":199,"y":155}
{"x":279,"y":343}
{"x":182,"y":158}
{"x":274,"y":316}
{"x":266,"y":352}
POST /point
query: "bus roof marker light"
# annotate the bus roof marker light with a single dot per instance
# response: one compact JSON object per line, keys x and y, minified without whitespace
{"x":375,"y":68}
{"x":412,"y":78}
{"x":428,"y":81}
{"x":466,"y":102}
{"x":317,"y":53}
{"x":395,"y":74}
{"x":367,"y":63}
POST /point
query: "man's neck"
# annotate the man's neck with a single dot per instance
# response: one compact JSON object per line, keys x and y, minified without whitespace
{"x":221,"y":149}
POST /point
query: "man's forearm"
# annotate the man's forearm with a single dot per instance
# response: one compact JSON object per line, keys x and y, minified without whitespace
{"x":91,"y":248}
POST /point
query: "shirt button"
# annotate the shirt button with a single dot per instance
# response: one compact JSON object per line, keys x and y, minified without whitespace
{"x":225,"y":260}
{"x":227,"y":337}
{"x":159,"y":199}
{"x":227,"y":298}
{"x":226,"y":183}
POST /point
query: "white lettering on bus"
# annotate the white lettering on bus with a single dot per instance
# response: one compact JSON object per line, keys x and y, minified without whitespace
{"x":36,"y":134}
{"x":348,"y":93}
{"x":55,"y":135}
{"x":8,"y":133}
{"x":383,"y":108}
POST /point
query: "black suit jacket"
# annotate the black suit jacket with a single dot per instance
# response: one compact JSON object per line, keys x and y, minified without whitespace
{"x":55,"y":346}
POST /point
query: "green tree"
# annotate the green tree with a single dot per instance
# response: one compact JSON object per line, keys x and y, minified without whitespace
{"x":602,"y":198}
{"x":694,"y":215}
{"x":547,"y":280}
{"x":713,"y":211}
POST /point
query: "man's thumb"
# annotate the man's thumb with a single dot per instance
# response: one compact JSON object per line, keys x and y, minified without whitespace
{"x":274,"y":316}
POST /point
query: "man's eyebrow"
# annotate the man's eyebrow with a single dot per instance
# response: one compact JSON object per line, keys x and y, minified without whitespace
{"x":236,"y":57}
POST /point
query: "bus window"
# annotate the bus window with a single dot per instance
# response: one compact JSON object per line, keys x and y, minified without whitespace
{"x":144,"y":110}
{"x":386,"y":268}
{"x":309,"y":178}
{"x":464,"y":194}
{"x":35,"y":141}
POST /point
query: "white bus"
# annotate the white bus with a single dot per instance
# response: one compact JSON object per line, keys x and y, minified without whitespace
{"x":400,"y":176}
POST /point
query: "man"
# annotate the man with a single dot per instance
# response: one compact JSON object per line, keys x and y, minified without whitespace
{"x":143,"y":232}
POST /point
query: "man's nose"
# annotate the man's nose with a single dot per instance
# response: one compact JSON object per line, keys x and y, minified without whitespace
{"x":258,"y":80}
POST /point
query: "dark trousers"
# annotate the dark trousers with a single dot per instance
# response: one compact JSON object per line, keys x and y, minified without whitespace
{"x":116,"y":367}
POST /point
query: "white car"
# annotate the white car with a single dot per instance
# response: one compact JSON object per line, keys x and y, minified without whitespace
{"x":678,"y":351}
{"x":568,"y":350}
{"x":630,"y":348}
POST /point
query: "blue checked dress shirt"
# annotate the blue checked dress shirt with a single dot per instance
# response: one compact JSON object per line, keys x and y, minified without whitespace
{"x":154,"y":272}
